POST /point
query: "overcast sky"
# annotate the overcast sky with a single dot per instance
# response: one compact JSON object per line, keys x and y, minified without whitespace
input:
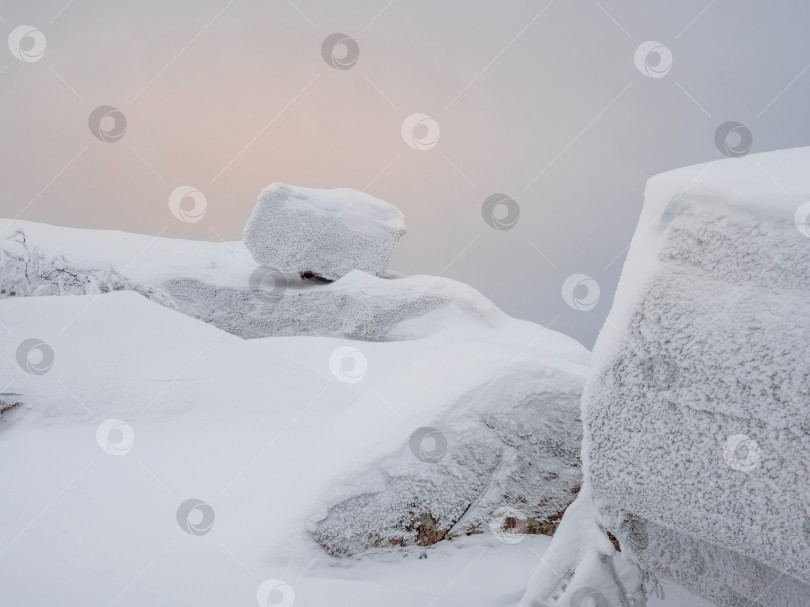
{"x":543,"y":102}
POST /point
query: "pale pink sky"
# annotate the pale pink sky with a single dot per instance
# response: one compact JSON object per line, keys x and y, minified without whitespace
{"x":543,"y":104}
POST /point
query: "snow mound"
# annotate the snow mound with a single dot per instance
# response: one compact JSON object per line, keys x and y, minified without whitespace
{"x":326,"y":232}
{"x":30,"y":273}
{"x":143,"y":408}
{"x":581,"y":566}
{"x":697,"y":425}
{"x":502,"y":459}
{"x":216,"y":283}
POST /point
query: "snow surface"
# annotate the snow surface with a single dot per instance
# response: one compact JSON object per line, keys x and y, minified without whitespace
{"x":146,"y":407}
{"x":328,"y":232}
{"x":697,"y":425}
{"x":583,"y":563}
{"x":259,"y":429}
{"x":217,"y":282}
{"x":263,"y":430}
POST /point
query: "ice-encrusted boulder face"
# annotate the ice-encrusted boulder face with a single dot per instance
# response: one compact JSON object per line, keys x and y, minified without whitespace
{"x":357,"y":306}
{"x":326,"y":232}
{"x":697,"y":416}
{"x":502,"y":459}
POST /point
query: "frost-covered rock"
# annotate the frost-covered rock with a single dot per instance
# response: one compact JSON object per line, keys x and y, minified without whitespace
{"x":217,"y":283}
{"x":326,"y":232}
{"x":358,"y":306}
{"x":502,"y":459}
{"x":697,"y":424}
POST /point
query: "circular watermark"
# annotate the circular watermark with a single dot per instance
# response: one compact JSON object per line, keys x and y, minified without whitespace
{"x":267,"y":283}
{"x":741,"y":453}
{"x":27,"y":43}
{"x":420,"y":131}
{"x":107,"y":123}
{"x":186,"y":215}
{"x":580,"y":292}
{"x":661,"y":372}
{"x":195,"y":517}
{"x":506,"y":523}
{"x":733,"y":139}
{"x":802,"y":218}
{"x":115,"y":437}
{"x":635,"y":534}
{"x":348,"y":364}
{"x":588,"y":597}
{"x":34,"y":356}
{"x":275,"y":593}
{"x":428,"y":444}
{"x":340,"y":51}
{"x":501,"y":212}
{"x":653,"y":59}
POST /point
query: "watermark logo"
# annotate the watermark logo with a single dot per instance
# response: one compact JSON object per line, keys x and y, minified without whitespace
{"x":802,"y":218}
{"x":428,"y":444}
{"x":501,"y":212}
{"x":653,"y":59}
{"x":107,"y":123}
{"x":420,"y":132}
{"x":267,"y":283}
{"x":35,"y":357}
{"x":661,"y":372}
{"x":348,"y":364}
{"x":507,"y":524}
{"x":588,"y":597}
{"x":340,"y":51}
{"x":581,"y":292}
{"x":275,"y":593}
{"x":115,"y":437}
{"x":741,"y":453}
{"x":195,"y":517}
{"x":186,"y":215}
{"x":27,"y":43}
{"x":733,"y":139}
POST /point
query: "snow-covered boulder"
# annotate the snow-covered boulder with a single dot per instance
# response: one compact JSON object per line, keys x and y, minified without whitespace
{"x":326,"y":232}
{"x":218,"y":283}
{"x":503,"y":458}
{"x":697,"y":415}
{"x":358,"y":306}
{"x":505,"y":398}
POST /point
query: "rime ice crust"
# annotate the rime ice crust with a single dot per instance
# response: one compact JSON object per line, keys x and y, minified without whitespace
{"x":327,"y":232}
{"x":708,"y":339}
{"x":511,"y":443}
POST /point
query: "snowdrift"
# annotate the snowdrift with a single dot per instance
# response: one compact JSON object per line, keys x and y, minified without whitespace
{"x":219,"y":283}
{"x":500,"y":394}
{"x":697,"y":416}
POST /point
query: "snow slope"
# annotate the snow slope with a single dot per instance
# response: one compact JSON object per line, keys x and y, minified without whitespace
{"x":697,"y":424}
{"x":219,"y":283}
{"x":259,"y":430}
{"x":178,"y":464}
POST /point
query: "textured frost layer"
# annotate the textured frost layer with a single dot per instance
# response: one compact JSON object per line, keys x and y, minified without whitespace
{"x":697,"y":425}
{"x":327,"y":232}
{"x":509,"y":447}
